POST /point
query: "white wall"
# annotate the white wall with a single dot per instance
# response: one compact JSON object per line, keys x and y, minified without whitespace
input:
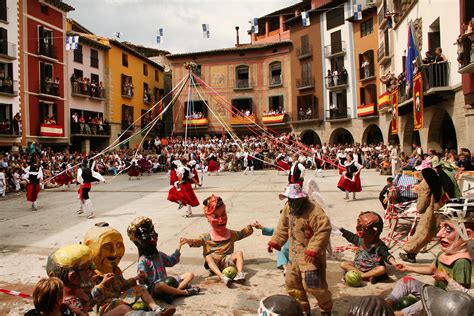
{"x":429,"y":11}
{"x":12,"y":29}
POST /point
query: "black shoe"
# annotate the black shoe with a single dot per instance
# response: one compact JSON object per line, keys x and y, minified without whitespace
{"x":168,"y":299}
{"x":408,"y":257}
{"x":193,"y":290}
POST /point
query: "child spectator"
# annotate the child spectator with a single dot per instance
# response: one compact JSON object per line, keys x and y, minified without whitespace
{"x":48,"y":298}
{"x":16,"y":181}
{"x":372,"y":253}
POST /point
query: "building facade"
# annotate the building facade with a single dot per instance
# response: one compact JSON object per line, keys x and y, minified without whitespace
{"x":134,"y":84}
{"x":89,"y":128}
{"x":254,"y":81}
{"x":10,"y":116}
{"x":44,"y":67}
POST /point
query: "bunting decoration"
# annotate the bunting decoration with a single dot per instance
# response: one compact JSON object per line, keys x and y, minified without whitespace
{"x":357,"y":12}
{"x":72,"y":42}
{"x":395,"y":111}
{"x":418,"y":101}
{"x":159,"y":37}
{"x":254,"y":26}
{"x":205,"y":30}
{"x":305,"y":18}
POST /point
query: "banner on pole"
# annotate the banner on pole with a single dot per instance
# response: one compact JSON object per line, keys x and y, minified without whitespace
{"x":418,"y":101}
{"x":395,"y":111}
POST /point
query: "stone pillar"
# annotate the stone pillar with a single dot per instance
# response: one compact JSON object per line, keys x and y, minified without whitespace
{"x":86,"y":146}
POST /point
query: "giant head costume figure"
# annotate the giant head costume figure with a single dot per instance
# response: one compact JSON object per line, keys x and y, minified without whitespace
{"x":73,"y":265}
{"x":369,"y":226}
{"x":280,"y":305}
{"x":107,"y":248}
{"x":216,"y":214}
{"x":296,"y":198}
{"x":457,"y":225}
{"x":142,"y":232}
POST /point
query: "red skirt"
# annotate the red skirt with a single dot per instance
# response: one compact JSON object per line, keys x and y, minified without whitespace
{"x":351,"y":185}
{"x":173,"y":177}
{"x":64,"y":178}
{"x":80,"y":192}
{"x":185,"y":195}
{"x":196,"y":176}
{"x":341,"y":168}
{"x":281,"y":165}
{"x":213,"y":166}
{"x":32,"y":192}
{"x":133,"y":171}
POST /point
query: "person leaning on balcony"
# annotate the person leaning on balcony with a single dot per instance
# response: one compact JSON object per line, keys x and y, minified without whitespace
{"x":329,"y":78}
{"x":439,"y":56}
{"x":56,"y":83}
{"x":335,"y":77}
{"x":8,"y":83}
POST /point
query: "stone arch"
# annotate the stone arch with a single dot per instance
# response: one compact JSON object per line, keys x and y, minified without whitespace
{"x":310,"y":137}
{"x":341,"y":136}
{"x":392,"y":138}
{"x":442,"y":132}
{"x":372,"y":135}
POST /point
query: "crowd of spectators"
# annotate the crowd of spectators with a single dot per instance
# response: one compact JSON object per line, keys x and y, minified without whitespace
{"x":160,"y":152}
{"x":336,"y":77}
{"x":90,"y":125}
{"x":88,"y":87}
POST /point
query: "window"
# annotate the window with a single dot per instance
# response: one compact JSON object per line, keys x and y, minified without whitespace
{"x":46,"y":78}
{"x":3,"y":10}
{"x":306,"y":72}
{"x":195,"y":109}
{"x":146,"y":93}
{"x":127,"y":86}
{"x":145,"y":118}
{"x":78,"y":54}
{"x":336,"y":42}
{"x":275,"y":104}
{"x":145,"y":70}
{"x":127,"y":116}
{"x":45,"y":38}
{"x":305,"y":45}
{"x":78,"y":73}
{"x":6,"y":72}
{"x":5,"y":113}
{"x":44,"y":9}
{"x":157,"y":78}
{"x":242,"y":77}
{"x":243,"y":105}
{"x":94,"y":58}
{"x":366,"y":63}
{"x":275,"y":73}
{"x":124,"y":60}
{"x":47,"y":110}
{"x":198,"y":71}
{"x":334,"y":18}
{"x":3,"y":41}
{"x":156,"y":94}
{"x":95,"y":79}
{"x":306,"y":107}
{"x":366,"y":27}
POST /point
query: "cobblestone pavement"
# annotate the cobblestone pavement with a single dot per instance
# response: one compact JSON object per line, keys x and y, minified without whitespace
{"x":26,"y":237}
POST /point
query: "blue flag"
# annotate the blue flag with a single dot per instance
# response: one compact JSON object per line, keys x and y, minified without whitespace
{"x":412,"y":55}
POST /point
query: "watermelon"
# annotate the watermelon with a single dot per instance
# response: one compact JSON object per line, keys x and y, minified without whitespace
{"x":170,"y":281}
{"x":353,"y":278}
{"x":139,"y":306}
{"x":230,"y":272}
{"x":404,"y":302}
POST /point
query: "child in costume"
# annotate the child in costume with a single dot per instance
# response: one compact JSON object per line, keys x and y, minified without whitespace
{"x":153,"y":262}
{"x":372,"y":253}
{"x":452,"y":266}
{"x":307,"y":227}
{"x":107,"y":250}
{"x":218,"y":244}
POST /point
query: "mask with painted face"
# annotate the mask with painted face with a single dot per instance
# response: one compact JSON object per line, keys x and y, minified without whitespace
{"x":107,"y":248}
{"x":369,"y":225}
{"x":142,"y":232}
{"x":296,"y":205}
{"x":216,"y":214}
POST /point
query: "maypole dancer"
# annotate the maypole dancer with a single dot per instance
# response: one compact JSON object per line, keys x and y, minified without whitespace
{"x":182,"y":192}
{"x":65,"y":176}
{"x":350,"y":178}
{"x":248,"y":162}
{"x":85,"y":177}
{"x":34,"y":175}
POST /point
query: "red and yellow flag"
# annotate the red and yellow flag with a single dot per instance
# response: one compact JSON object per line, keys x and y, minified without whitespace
{"x":394,"y":98}
{"x":418,"y":101}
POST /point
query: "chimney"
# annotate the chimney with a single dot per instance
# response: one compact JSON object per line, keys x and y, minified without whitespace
{"x":237,"y":35}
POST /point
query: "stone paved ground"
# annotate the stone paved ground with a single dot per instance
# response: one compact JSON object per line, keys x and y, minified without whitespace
{"x":26,"y":237}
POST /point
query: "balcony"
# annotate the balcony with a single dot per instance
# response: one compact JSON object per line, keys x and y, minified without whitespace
{"x":87,"y":90}
{"x":147,"y":98}
{"x":4,"y":16}
{"x":336,"y":82}
{"x":275,"y":81}
{"x":47,"y":50}
{"x":335,"y":50}
{"x":381,"y":18}
{"x":127,"y":91}
{"x":49,"y":88}
{"x":243,"y":120}
{"x":366,"y":73}
{"x":304,"y":52}
{"x":269,"y":119}
{"x":384,"y":55}
{"x":9,"y":88}
{"x":243,"y":84}
{"x":96,"y":128}
{"x":6,"y":129}
{"x":305,"y":83}
{"x":366,"y":110}
{"x":196,"y":122}
{"x":8,"y":50}
{"x":466,"y":57}
{"x":338,"y":113}
{"x":51,"y":130}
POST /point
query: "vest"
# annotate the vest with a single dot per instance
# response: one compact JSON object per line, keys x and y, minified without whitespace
{"x":295,"y":174}
{"x":33,"y":174}
{"x":87,"y":175}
